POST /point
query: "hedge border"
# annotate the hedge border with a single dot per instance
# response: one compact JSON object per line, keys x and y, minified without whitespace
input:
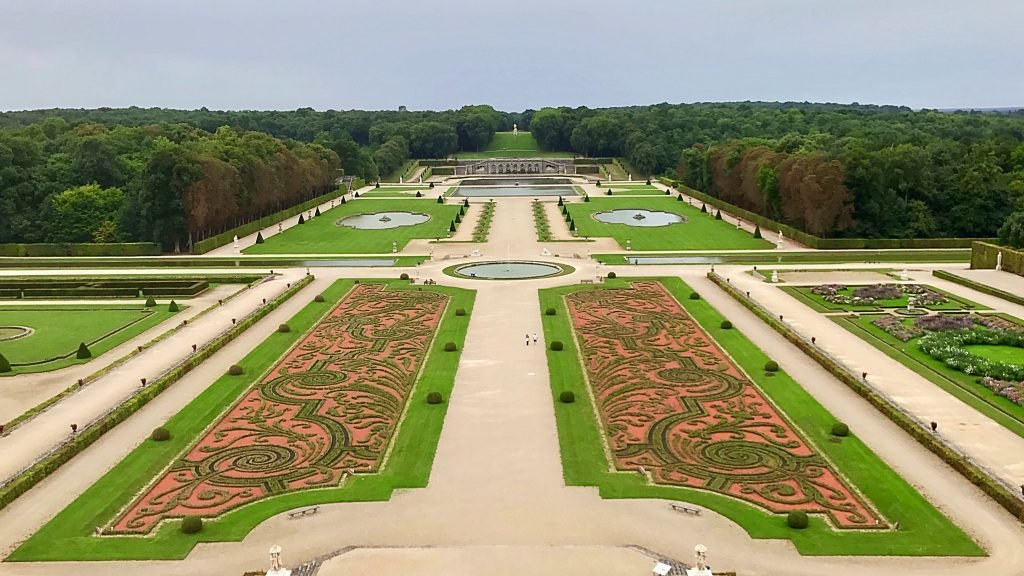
{"x":985,"y":254}
{"x":83,"y":249}
{"x":983,"y":288}
{"x":39,"y":471}
{"x":954,"y":460}
{"x":816,"y":241}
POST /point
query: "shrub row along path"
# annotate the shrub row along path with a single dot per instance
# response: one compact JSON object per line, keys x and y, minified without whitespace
{"x":496,"y":502}
{"x":27,"y":442}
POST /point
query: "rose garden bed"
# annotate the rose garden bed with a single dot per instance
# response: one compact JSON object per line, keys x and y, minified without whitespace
{"x":877,"y":297}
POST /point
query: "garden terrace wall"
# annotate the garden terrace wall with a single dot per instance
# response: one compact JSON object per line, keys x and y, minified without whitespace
{"x":204,"y":246}
{"x":125,"y":249}
{"x":90,"y":433}
{"x":955,"y":460}
{"x":435,"y":163}
{"x":817,"y":242}
{"x":983,"y":288}
{"x":985,"y":254}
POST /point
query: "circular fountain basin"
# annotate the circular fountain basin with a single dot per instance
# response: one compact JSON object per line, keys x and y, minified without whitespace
{"x":643,"y":218}
{"x":14,"y":332}
{"x":513,"y":270}
{"x":383,"y":220}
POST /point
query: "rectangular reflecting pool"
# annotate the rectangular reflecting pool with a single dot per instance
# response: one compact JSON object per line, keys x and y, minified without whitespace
{"x":641,"y":260}
{"x":502,"y":191}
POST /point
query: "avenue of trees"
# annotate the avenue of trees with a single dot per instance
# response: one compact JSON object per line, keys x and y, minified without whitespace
{"x":831,"y":170}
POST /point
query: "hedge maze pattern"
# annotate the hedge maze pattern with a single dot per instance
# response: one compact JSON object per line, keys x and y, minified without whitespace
{"x":672,"y":402}
{"x":331,"y":405}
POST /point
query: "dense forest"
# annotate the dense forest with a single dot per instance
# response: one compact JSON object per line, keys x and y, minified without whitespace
{"x":831,"y":170}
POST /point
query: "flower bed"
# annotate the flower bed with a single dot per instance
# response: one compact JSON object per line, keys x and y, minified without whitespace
{"x":1012,"y":391}
{"x":949,"y":348}
{"x":870,"y":295}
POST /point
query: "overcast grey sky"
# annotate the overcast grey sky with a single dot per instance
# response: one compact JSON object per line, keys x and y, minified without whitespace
{"x":515,"y":54}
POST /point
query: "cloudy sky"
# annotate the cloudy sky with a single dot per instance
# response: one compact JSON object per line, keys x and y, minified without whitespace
{"x":517,"y":54}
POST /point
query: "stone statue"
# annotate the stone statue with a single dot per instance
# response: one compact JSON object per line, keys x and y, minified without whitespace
{"x":276,"y":569}
{"x":775,"y":276}
{"x":999,"y":261}
{"x":515,"y":129}
{"x":702,"y":568}
{"x":236,"y":240}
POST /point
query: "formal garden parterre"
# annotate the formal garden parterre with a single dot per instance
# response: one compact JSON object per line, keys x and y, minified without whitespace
{"x":331,"y":410}
{"x":690,"y":405}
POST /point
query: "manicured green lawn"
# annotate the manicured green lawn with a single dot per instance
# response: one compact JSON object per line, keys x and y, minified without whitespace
{"x":960,"y":385}
{"x":69,"y":536}
{"x":322,"y":235}
{"x":924,"y":531}
{"x":818,"y":303}
{"x":699,"y":232}
{"x":1007,"y":354}
{"x":58,"y":330}
{"x":807,"y":257}
{"x":633,"y":190}
{"x":506,"y":145}
{"x":393,"y":192}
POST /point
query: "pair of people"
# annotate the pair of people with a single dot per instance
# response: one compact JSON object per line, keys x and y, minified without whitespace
{"x":534,"y":339}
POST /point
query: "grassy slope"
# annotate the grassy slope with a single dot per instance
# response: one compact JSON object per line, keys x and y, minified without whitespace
{"x":818,"y":303}
{"x":700,"y":231}
{"x":960,"y":385}
{"x":505,"y":145}
{"x":393,"y":192}
{"x":817,"y":256}
{"x":924,"y":531}
{"x":635,"y":190}
{"x":60,"y":330}
{"x":69,"y":535}
{"x":322,"y":235}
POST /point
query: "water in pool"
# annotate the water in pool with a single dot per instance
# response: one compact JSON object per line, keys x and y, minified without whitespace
{"x":524,"y":181}
{"x":642,"y":218}
{"x":383,"y":220}
{"x":508,"y":270}
{"x":496,"y":191}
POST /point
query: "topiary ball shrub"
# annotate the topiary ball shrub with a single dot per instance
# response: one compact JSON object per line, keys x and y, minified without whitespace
{"x":611,"y":275}
{"x":235,"y":370}
{"x":160,"y":434}
{"x":797,"y":519}
{"x":284,"y":328}
{"x":5,"y":366}
{"x":150,"y":302}
{"x":694,"y":296}
{"x":567,"y":397}
{"x":771,"y":366}
{"x":840,"y":429}
{"x":550,"y":312}
{"x":434,"y":398}
{"x":172,"y":307}
{"x":450,"y":347}
{"x":192,"y":525}
{"x":557,"y":345}
{"x":318,"y":298}
{"x":83,"y":352}
{"x":726,"y":325}
{"x":460,"y":311}
{"x":404,"y":276}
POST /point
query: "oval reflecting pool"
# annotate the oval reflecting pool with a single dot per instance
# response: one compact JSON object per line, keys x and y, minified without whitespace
{"x":645,"y":218}
{"x":383,"y":220}
{"x":508,"y":270}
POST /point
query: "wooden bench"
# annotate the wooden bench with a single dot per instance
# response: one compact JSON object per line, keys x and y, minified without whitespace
{"x":304,"y":512}
{"x":586,"y":281}
{"x":686,"y":509}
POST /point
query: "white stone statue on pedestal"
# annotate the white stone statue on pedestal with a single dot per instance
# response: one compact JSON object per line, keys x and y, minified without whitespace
{"x":905,"y":276}
{"x":275,"y":563}
{"x":775,"y":276}
{"x":782,"y":238}
{"x":999,"y":261}
{"x":515,"y":129}
{"x":236,"y":240}
{"x":401,"y":179}
{"x":702,"y":568}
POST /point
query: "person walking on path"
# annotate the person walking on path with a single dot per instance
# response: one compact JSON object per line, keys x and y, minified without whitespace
{"x":527,"y":339}
{"x":534,"y":338}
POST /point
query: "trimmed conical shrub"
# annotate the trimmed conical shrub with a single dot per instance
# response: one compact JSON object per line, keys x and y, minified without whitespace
{"x":259,"y":237}
{"x":150,"y":302}
{"x":5,"y":366}
{"x":343,"y":200}
{"x":718,"y":215}
{"x":451,"y":228}
{"x":376,"y":184}
{"x":458,"y":218}
{"x":680,"y":197}
{"x":757,"y":231}
{"x":572,"y":225}
{"x":419,"y":194}
{"x":172,"y":307}
{"x":440,"y":199}
{"x":83,"y":352}
{"x":704,"y":208}
{"x":609,"y":192}
{"x":560,"y":201}
{"x":302,"y":219}
{"x":431,"y":185}
{"x":586,"y":198}
{"x":465,"y":203}
{"x":317,"y":211}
